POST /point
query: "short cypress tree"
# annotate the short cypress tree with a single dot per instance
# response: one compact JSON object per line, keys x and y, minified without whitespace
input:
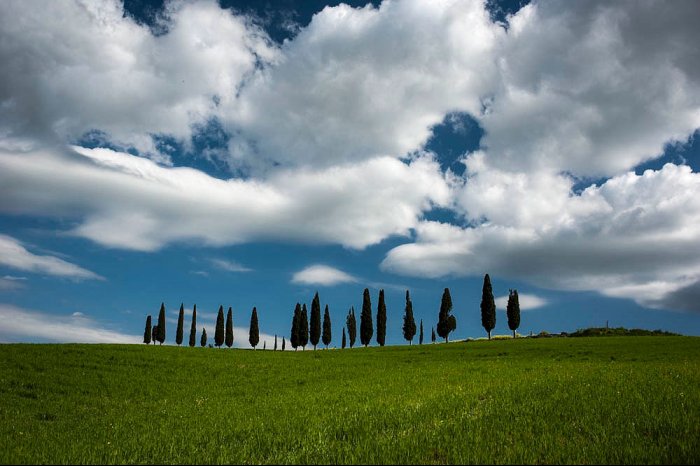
{"x":488,"y":306}
{"x":303,"y":328}
{"x":326,"y":328}
{"x":264,"y":345}
{"x":351,"y":323}
{"x":344,"y":342}
{"x":219,"y":330}
{"x":294,"y":338}
{"x":254,"y":334}
{"x":193,"y":327}
{"x":513,"y":311}
{"x":366,"y":327}
{"x":203,"y":341}
{"x":161,"y":324}
{"x":432,"y":337}
{"x":420,"y":337}
{"x":229,"y":327}
{"x":381,"y":319}
{"x":154,"y":334}
{"x":284,"y":344}
{"x":180,"y":325}
{"x":446,"y":322}
{"x":147,"y":331}
{"x":409,"y":324}
{"x":315,"y":325}
{"x":275,"y":348}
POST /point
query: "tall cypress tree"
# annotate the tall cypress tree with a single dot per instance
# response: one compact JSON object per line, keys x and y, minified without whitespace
{"x":381,"y":319}
{"x":294,"y":338}
{"x":254,"y":333}
{"x":446,"y":322}
{"x":432,"y":337}
{"x":488,"y":306}
{"x":193,"y":327}
{"x":219,"y":331}
{"x":344,"y":342}
{"x":229,"y":327}
{"x":420,"y":337}
{"x":147,"y":331}
{"x":304,"y":328}
{"x":409,"y":324}
{"x":284,"y":344}
{"x":161,"y":324}
{"x":315,"y":330}
{"x":275,"y":348}
{"x":366,"y":328}
{"x":351,"y":323}
{"x":203,"y":341}
{"x":513,"y":311}
{"x":326,"y":328}
{"x":180,"y":325}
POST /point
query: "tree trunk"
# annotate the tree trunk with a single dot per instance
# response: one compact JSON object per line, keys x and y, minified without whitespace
{"x":513,"y":333}
{"x":489,"y":334}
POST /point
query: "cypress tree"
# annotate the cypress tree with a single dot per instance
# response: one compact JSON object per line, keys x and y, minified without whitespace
{"x":343,"y":341}
{"x":264,"y":345}
{"x":303,"y":328}
{"x":154,"y":334}
{"x":409,"y":324}
{"x":315,"y":330}
{"x":420,"y":337}
{"x":326,"y":327}
{"x":432,"y":337}
{"x":161,"y":324}
{"x":180,"y":325}
{"x":203,"y":341}
{"x":147,"y":331}
{"x":193,"y":328}
{"x":275,"y":348}
{"x":488,"y":306}
{"x":219,"y":330}
{"x":294,"y":338}
{"x":366,"y":328}
{"x":446,"y":322}
{"x":284,"y":344}
{"x":229,"y":328}
{"x":513,"y":311}
{"x":351,"y":323}
{"x":254,"y":334}
{"x":381,"y":319}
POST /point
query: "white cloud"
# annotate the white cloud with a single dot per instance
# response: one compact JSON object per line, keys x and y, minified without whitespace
{"x":130,"y":202}
{"x":322,"y":275}
{"x":18,"y":325}
{"x":14,"y":255}
{"x":229,"y":266}
{"x":526,"y":301}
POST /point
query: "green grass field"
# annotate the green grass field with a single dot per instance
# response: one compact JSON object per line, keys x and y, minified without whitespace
{"x":563,"y":400}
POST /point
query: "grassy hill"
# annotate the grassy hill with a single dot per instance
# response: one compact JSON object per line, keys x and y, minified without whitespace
{"x":582,"y":400}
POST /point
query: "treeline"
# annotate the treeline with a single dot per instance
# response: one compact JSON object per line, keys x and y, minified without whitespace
{"x":309,"y":328}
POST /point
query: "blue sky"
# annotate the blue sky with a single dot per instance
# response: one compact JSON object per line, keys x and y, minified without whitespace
{"x":250,"y":154}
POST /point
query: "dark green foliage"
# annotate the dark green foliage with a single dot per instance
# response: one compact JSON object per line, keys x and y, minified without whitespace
{"x":154,"y":334}
{"x":180,"y":325}
{"x":409,"y":324}
{"x":284,"y":344}
{"x":488,"y":306}
{"x":315,"y":325}
{"x":203,"y":341}
{"x":343,"y":341}
{"x":254,"y":333}
{"x":446,"y":322}
{"x":381,"y":319}
{"x":326,"y":327}
{"x":432,"y":336}
{"x":620,"y":332}
{"x":161,"y":324}
{"x":294,"y":338}
{"x":264,"y":345}
{"x":366,"y":326}
{"x":147,"y":331}
{"x":420,"y":337}
{"x":351,"y":323}
{"x":219,"y":330}
{"x":275,"y":348}
{"x":513,"y":311}
{"x":193,"y":327}
{"x":303,"y":327}
{"x":229,"y":328}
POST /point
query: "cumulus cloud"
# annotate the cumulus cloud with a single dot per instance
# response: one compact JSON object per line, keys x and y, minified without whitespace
{"x":130,"y":202}
{"x":322,"y":275}
{"x":22,"y":325}
{"x":13,"y":254}
{"x":526,"y":301}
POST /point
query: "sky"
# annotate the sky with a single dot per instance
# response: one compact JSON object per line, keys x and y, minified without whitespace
{"x":253,"y":153}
